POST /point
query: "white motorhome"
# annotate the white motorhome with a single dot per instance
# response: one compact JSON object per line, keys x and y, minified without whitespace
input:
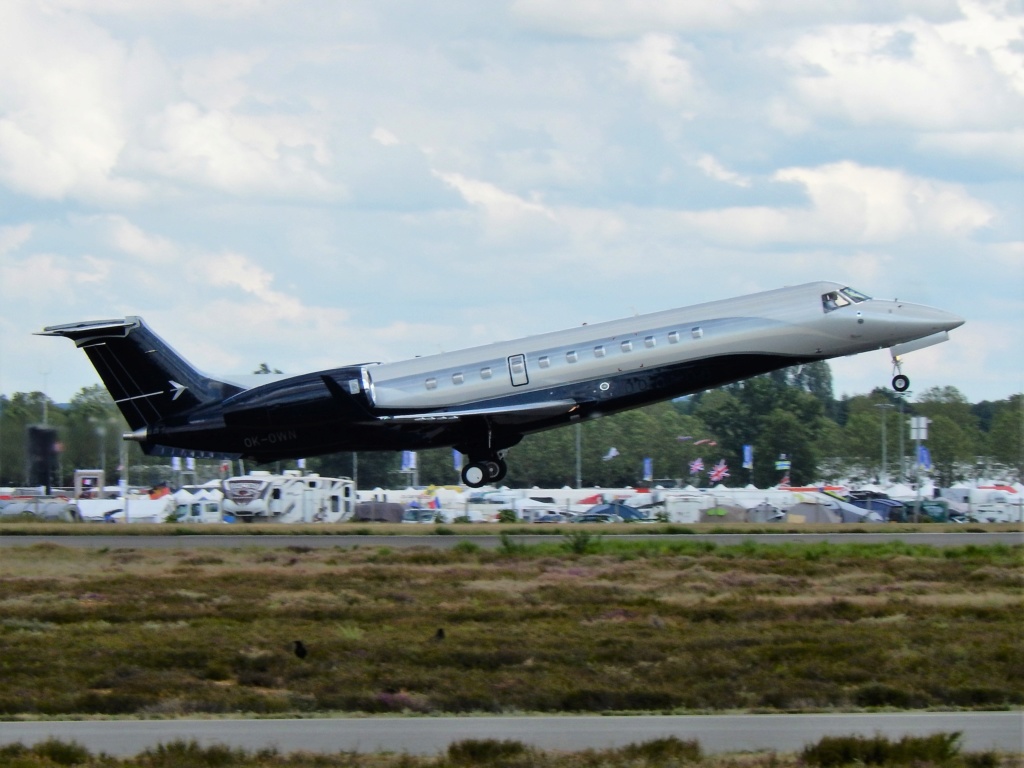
{"x":262,"y":497}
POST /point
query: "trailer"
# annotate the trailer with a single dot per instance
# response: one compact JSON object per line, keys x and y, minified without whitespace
{"x":262,"y":497}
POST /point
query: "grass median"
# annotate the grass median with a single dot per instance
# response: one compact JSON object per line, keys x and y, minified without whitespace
{"x":583,"y":623}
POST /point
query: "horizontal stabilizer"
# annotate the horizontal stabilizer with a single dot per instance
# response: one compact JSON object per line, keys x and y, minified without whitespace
{"x":497,"y":413}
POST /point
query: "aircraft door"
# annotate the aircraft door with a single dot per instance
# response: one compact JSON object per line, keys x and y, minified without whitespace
{"x":517,"y":370}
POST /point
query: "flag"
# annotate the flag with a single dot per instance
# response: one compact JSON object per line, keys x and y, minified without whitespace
{"x":456,"y":460}
{"x":719,"y":472}
{"x":176,"y":463}
{"x":190,"y":463}
{"x":696,"y":466}
{"x":612,"y":453}
{"x":748,"y":457}
{"x":434,"y":503}
{"x":301,"y":463}
{"x":408,"y":461}
{"x":648,"y":470}
{"x":924,"y":457}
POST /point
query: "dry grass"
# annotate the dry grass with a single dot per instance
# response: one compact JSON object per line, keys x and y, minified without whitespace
{"x":642,"y":626}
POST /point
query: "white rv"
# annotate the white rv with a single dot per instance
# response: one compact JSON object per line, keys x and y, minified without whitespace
{"x":261,"y":497}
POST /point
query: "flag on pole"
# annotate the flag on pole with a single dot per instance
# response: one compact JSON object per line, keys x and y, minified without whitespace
{"x":612,"y":453}
{"x":648,"y":470}
{"x":748,"y":457}
{"x":719,"y":472}
{"x":408,"y":461}
{"x":924,"y":457}
{"x":696,"y":466}
{"x":456,"y":460}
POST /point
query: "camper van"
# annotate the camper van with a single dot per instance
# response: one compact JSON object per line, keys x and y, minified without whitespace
{"x":262,"y":497}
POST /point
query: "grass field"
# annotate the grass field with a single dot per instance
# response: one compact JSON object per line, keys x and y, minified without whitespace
{"x":579,"y":624}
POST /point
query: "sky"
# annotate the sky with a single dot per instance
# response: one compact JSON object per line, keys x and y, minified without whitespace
{"x":310,"y":183}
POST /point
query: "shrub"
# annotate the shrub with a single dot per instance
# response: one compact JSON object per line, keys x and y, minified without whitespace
{"x":466,"y":548}
{"x":189,"y":754}
{"x":62,"y":752}
{"x":581,"y":542}
{"x":659,"y":751}
{"x":484,"y":751}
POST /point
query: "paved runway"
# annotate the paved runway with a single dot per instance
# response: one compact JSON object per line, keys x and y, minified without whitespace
{"x":981,"y":731}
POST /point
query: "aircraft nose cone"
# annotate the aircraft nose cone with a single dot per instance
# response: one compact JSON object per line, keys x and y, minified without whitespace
{"x":949,"y":321}
{"x":929,"y":318}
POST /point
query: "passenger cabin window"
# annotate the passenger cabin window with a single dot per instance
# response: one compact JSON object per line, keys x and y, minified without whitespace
{"x":650,"y":341}
{"x":627,"y":346}
{"x":544,"y":361}
{"x":431,"y":383}
{"x":486,"y":373}
{"x":673,"y":337}
{"x":599,"y":351}
{"x":458,"y":378}
{"x":571,"y":357}
{"x":697,"y":332}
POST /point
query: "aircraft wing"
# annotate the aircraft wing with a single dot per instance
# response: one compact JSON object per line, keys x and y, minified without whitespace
{"x":507,"y":414}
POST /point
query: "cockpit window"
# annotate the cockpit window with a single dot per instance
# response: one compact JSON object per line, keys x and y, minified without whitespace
{"x":833,"y":300}
{"x":844,"y":297}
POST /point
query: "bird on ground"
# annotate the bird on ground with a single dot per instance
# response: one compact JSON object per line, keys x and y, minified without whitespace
{"x":300,"y":649}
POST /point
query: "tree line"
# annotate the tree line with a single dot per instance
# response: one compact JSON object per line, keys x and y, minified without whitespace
{"x":790,"y":413}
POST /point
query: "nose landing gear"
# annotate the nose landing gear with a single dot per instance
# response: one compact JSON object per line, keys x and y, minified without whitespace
{"x":900,"y":382}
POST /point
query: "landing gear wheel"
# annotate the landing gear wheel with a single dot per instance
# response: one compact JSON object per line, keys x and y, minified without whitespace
{"x":475,"y":474}
{"x":479,"y":472}
{"x":900,"y":383}
{"x":496,"y":470}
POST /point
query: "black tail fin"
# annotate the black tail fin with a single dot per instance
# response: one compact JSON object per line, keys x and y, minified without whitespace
{"x":148,"y":380}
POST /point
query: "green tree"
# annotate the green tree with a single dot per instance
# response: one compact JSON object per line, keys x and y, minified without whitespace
{"x":1006,"y":439}
{"x":781,"y":432}
{"x":951,"y":447}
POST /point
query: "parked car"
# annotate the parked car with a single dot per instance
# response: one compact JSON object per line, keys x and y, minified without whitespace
{"x":555,"y":517}
{"x":624,"y":512}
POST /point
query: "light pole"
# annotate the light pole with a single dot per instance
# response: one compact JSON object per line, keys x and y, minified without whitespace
{"x":885,"y":459}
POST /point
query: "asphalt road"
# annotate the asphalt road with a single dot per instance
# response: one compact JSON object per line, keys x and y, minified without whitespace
{"x":1003,"y":731}
{"x":232,"y":540}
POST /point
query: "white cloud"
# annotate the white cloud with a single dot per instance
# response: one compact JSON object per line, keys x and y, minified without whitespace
{"x":384,"y":137}
{"x":63,"y":126}
{"x":201,"y":8}
{"x":715,"y":170}
{"x":850,"y":204}
{"x":963,"y":75}
{"x":653,"y":63}
{"x":12,"y":238}
{"x":236,"y":153}
{"x":608,"y":18}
